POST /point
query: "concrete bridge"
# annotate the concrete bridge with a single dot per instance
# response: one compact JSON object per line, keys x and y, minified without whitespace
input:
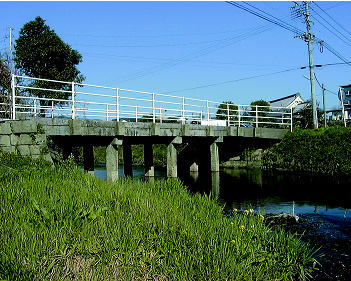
{"x":190,"y":147}
{"x":189,"y":127}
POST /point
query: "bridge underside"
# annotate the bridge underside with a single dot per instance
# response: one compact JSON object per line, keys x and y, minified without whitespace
{"x":189,"y":147}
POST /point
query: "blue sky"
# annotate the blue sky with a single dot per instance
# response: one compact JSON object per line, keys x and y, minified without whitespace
{"x":207,"y":50}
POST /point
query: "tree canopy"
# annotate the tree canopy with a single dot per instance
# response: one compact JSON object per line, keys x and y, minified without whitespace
{"x":40,"y":53}
{"x":304,"y":118}
{"x":5,"y":87}
{"x":227,"y":107}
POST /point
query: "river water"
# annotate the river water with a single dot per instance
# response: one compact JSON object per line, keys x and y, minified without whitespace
{"x":268,"y":191}
{"x":321,"y":202}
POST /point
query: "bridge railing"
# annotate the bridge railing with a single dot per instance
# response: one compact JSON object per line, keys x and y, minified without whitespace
{"x":84,"y":101}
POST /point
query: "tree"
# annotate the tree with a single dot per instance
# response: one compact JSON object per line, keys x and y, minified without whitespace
{"x":227,"y":107}
{"x":40,"y":53}
{"x":261,"y":109}
{"x":304,"y":118}
{"x":5,"y":88}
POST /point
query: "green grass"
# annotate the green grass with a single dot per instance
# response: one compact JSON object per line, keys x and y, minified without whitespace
{"x":58,"y":223}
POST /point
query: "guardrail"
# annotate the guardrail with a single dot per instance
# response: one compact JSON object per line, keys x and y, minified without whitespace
{"x":84,"y":101}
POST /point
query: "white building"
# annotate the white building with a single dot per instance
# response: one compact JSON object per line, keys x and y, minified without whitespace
{"x":293,"y":101}
{"x":345,"y":100}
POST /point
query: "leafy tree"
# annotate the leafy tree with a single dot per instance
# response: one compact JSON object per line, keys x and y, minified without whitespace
{"x":262,"y":109}
{"x":5,"y":88}
{"x":227,"y":107}
{"x":149,"y":119}
{"x":40,"y":53}
{"x":304,"y":119}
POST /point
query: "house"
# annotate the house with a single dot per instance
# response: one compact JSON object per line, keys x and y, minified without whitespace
{"x":345,"y":99}
{"x":293,"y":101}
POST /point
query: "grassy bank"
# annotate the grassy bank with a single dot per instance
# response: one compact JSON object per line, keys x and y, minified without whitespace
{"x":323,"y":150}
{"x":58,"y":223}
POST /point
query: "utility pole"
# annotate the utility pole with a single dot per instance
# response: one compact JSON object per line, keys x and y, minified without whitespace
{"x":325,"y":114}
{"x":11,"y":53}
{"x":309,"y":38}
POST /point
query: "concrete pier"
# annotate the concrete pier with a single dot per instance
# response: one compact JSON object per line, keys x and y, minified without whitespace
{"x":190,"y":147}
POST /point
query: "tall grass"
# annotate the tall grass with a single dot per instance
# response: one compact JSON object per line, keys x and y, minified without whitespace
{"x":58,"y":223}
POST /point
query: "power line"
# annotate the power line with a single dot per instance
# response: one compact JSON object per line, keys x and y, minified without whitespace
{"x":155,"y":36}
{"x":192,"y":55}
{"x":287,"y":26}
{"x":152,"y":46}
{"x":235,"y":80}
{"x":331,"y":17}
{"x":331,"y":30}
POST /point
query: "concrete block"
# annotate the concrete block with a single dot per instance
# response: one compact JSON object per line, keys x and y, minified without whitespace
{"x":34,"y":150}
{"x":246,"y":132}
{"x":185,"y":130}
{"x":5,"y":140}
{"x":8,"y":149}
{"x":24,"y":127}
{"x":40,"y":138}
{"x":14,"y":139}
{"x":47,"y":157}
{"x":120,"y":128}
{"x":155,"y":129}
{"x":25,"y":139}
{"x":24,"y":150}
{"x":232,"y":131}
{"x":5,"y":129}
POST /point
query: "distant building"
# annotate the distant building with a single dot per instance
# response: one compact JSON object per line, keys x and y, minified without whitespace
{"x":345,"y":99}
{"x":293,"y":101}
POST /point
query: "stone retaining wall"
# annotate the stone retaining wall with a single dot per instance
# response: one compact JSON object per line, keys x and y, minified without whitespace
{"x":25,"y":138}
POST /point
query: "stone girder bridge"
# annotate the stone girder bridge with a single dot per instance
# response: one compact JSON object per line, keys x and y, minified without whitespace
{"x":190,"y":147}
{"x":199,"y":134}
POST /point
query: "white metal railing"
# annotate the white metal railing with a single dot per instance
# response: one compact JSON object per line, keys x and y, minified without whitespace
{"x":84,"y":101}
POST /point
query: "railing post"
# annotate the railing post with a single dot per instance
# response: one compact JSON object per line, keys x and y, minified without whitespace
{"x":228,"y":118}
{"x":136,"y":114}
{"x":160,"y":115}
{"x":106,"y":111}
{"x":117,"y":103}
{"x":183,"y":108}
{"x":52,"y":109}
{"x":73,"y":103}
{"x":256,"y":116}
{"x":153,"y":108}
{"x":35,"y":107}
{"x":208,"y":111}
{"x":239,"y":115}
{"x":291,"y":119}
{"x":13,"y":96}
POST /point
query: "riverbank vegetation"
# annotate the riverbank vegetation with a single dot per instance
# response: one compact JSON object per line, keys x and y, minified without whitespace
{"x":326,"y":150}
{"x":58,"y":223}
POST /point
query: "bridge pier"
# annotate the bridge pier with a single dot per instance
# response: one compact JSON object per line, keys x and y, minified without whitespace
{"x":172,"y":157}
{"x":149,"y":160}
{"x":112,"y":168}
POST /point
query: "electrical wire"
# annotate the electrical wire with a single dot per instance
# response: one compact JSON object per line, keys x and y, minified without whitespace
{"x":315,"y":3}
{"x":152,"y":46}
{"x":235,"y":80}
{"x":287,"y":26}
{"x":192,"y":55}
{"x":331,"y":30}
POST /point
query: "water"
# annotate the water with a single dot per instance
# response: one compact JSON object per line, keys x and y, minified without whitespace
{"x":266,"y":191}
{"x":322,"y":203}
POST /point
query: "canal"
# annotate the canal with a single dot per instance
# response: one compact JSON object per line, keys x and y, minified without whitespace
{"x":321,"y":202}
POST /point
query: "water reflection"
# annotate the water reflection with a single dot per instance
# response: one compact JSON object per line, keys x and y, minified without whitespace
{"x":273,"y":192}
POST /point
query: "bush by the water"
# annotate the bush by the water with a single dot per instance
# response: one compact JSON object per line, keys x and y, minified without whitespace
{"x":58,"y":223}
{"x":325,"y":150}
